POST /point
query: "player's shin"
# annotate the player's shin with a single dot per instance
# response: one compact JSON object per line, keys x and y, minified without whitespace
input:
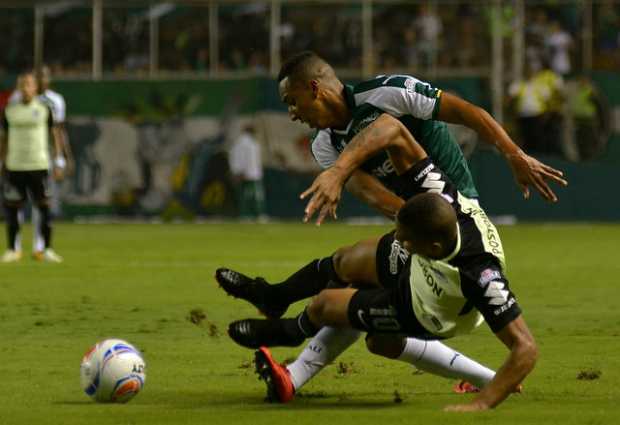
{"x":305,"y":283}
{"x":439,"y":359}
{"x":326,"y":345}
{"x":45,"y":225}
{"x":12,"y":224}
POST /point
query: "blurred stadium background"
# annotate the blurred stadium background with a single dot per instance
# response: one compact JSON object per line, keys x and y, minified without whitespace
{"x":157,"y":91}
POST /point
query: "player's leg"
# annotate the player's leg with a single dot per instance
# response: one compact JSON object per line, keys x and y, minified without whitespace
{"x":352,"y":264}
{"x":13,"y":194}
{"x":430,"y":356}
{"x":39,"y":189}
{"x":38,"y":243}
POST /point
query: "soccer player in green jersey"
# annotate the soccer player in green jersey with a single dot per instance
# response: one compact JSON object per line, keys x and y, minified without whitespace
{"x":349,"y":119}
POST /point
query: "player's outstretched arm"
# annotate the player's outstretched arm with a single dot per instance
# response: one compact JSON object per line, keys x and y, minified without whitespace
{"x":372,"y":192}
{"x":521,"y":360}
{"x":527,"y":170}
{"x":385,"y":133}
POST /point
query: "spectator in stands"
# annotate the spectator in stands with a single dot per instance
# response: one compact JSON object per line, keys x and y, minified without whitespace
{"x":588,"y":111}
{"x":558,"y":44}
{"x":532,"y":100}
{"x":429,"y":27}
{"x":247,"y":170}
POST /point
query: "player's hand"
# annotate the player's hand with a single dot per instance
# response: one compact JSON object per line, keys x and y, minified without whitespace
{"x":474,"y":406}
{"x":58,"y":173}
{"x":326,"y":191}
{"x":70,"y":170}
{"x":528,"y":171}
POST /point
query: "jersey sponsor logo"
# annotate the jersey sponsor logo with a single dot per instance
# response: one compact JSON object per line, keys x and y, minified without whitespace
{"x":433,"y":183}
{"x":398,"y":255}
{"x":489,"y":232}
{"x":488,"y":275}
{"x":389,"y":312}
{"x":384,"y":169}
{"x":430,"y":279}
{"x":365,"y":121}
{"x":424,"y":172}
{"x":496,"y":293}
{"x":505,"y":307}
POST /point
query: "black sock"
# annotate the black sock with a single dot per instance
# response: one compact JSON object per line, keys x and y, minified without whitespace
{"x":45,"y":226}
{"x":12,"y":225}
{"x":294,"y":331}
{"x":305,"y":283}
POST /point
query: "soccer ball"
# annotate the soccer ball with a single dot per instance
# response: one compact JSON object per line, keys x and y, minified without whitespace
{"x":112,"y":371}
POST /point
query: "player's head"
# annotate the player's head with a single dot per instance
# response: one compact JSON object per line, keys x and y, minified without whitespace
{"x":309,"y":86}
{"x":44,"y":78}
{"x":426,"y":225}
{"x":27,"y":85}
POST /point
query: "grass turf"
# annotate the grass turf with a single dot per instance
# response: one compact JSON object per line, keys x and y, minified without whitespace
{"x":140,"y":282}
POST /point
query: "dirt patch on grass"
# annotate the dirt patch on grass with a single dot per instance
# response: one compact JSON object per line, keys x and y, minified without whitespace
{"x":589,"y":375}
{"x":197,"y":316}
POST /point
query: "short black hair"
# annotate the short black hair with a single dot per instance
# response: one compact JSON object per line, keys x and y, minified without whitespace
{"x":430,"y":217}
{"x":299,"y":64}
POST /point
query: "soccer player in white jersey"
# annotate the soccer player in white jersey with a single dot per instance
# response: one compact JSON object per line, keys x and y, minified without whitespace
{"x":25,"y":158}
{"x":56,"y":102}
{"x":453,"y":281}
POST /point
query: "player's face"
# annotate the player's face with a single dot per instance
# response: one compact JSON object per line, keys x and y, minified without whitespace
{"x":43,"y":77}
{"x":27,"y":85}
{"x":304,"y":103}
{"x":408,"y":240}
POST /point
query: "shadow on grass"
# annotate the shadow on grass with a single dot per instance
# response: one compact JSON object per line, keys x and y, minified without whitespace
{"x":255,"y":401}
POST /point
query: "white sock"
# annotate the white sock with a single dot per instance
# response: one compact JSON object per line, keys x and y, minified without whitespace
{"x":439,"y":359}
{"x":326,"y":345}
{"x":38,"y":244}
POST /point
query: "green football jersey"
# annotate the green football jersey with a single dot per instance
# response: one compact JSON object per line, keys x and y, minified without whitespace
{"x":415,"y":104}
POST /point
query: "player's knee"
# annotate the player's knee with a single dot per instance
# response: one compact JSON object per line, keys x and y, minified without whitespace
{"x":316,"y":308}
{"x":13,"y":205}
{"x":347,"y":265}
{"x":339,"y":262}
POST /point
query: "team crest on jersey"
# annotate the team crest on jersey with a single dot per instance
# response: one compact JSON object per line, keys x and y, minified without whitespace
{"x":410,"y":85}
{"x":488,"y":275}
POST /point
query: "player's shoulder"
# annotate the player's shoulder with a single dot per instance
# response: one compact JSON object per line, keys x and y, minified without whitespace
{"x":320,"y":137}
{"x":53,"y":97}
{"x":399,"y":81}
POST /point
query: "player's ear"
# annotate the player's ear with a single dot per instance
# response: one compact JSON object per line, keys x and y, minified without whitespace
{"x":437,"y":249}
{"x":314,"y":86}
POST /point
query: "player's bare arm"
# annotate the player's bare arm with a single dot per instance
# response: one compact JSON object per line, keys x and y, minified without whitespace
{"x":369,"y":190}
{"x":66,"y":149}
{"x":521,"y":360}
{"x":528,"y":171}
{"x":59,"y":158}
{"x":385,"y":133}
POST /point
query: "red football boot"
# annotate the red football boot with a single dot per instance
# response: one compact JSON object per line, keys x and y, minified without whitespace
{"x":280,"y":388}
{"x":464,"y":387}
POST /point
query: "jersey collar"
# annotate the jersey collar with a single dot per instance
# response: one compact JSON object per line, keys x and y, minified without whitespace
{"x":349,"y":98}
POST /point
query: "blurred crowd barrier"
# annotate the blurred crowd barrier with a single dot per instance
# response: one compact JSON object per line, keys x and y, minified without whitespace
{"x":157,"y":93}
{"x":117,"y":39}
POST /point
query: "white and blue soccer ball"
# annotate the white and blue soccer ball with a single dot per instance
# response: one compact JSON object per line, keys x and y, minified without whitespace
{"x":112,"y":371}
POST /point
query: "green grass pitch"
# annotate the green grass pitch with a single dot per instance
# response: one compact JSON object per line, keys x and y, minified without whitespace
{"x":140,"y":282}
